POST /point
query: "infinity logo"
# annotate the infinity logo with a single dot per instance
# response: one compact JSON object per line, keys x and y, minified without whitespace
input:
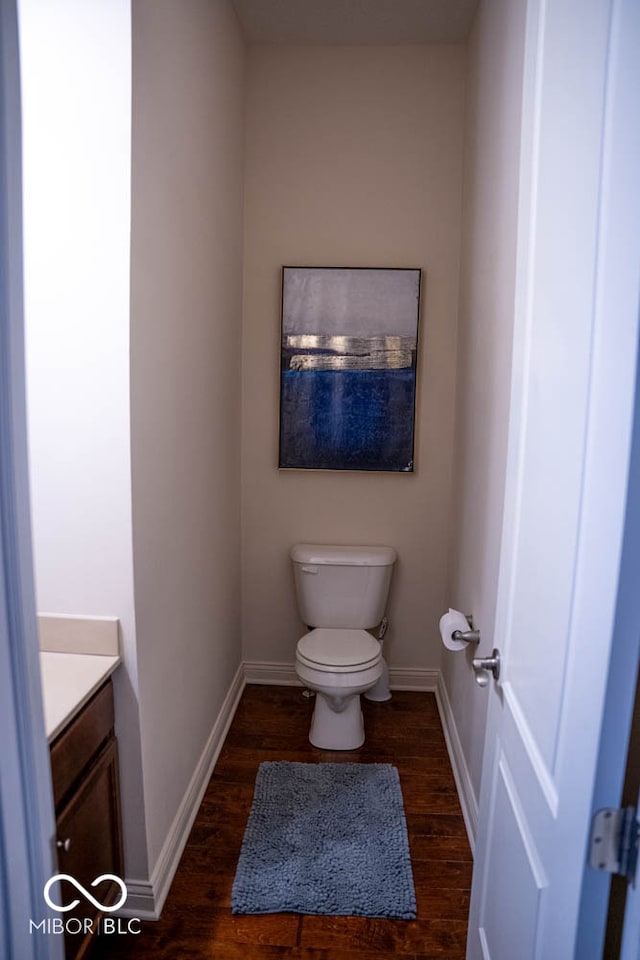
{"x":85,"y":893}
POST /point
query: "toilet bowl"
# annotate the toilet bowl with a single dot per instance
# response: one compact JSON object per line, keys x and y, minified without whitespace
{"x":338,"y":665}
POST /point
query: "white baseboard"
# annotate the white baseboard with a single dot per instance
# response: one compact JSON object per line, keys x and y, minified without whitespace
{"x":270,"y":672}
{"x":466,"y":793}
{"x":140,"y":901}
{"x":400,"y":678}
{"x":146,"y":897}
{"x":413,"y":678}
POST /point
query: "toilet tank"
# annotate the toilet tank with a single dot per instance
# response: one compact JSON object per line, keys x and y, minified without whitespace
{"x":340,"y":586}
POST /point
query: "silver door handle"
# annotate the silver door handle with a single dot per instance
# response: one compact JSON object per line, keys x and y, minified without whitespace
{"x":483,"y":666}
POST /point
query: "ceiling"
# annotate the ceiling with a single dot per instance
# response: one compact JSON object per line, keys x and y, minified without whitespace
{"x":357,"y":22}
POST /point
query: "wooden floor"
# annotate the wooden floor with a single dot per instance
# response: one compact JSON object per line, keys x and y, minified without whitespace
{"x":272,"y":723}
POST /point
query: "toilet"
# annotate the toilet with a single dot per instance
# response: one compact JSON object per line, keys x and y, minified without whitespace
{"x":341,"y":591}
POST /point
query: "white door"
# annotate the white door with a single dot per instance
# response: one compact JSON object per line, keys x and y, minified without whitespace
{"x":576,"y":330}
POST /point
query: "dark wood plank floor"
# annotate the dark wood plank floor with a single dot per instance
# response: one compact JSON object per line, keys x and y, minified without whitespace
{"x":272,"y":723}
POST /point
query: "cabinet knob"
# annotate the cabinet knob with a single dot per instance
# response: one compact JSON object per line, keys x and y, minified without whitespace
{"x":64,"y":844}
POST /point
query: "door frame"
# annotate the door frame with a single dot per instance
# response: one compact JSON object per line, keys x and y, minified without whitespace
{"x":623,"y":245}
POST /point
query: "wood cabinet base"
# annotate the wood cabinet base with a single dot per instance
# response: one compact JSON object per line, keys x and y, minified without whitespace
{"x":84,"y":762}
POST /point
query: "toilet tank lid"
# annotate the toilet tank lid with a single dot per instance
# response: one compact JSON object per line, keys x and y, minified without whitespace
{"x":317,"y":553}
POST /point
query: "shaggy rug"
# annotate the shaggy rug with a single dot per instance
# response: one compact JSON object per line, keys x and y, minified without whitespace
{"x":326,"y":838}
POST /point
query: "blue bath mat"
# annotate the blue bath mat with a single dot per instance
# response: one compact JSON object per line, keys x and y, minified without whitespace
{"x":326,"y":838}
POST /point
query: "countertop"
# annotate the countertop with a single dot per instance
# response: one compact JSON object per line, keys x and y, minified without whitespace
{"x":68,"y":681}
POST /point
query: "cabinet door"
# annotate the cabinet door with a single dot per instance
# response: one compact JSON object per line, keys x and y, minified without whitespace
{"x":89,"y":825}
{"x":78,"y":744}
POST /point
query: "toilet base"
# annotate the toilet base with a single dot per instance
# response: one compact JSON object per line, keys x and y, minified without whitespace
{"x":337,"y":722}
{"x":380,"y":692}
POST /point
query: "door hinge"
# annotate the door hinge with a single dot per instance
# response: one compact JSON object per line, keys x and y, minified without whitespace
{"x":613,"y":846}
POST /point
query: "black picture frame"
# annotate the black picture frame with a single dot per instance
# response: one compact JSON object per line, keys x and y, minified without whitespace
{"x":348,"y":367}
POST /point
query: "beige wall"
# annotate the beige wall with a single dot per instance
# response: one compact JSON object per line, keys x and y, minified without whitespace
{"x":486,"y":322}
{"x":77,"y":215}
{"x":188,"y":70}
{"x":354,"y":158}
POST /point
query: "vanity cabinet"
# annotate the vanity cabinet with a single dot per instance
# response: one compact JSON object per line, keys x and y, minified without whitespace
{"x":84,"y":767}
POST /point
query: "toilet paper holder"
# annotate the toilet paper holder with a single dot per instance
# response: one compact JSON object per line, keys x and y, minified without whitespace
{"x":467,"y":636}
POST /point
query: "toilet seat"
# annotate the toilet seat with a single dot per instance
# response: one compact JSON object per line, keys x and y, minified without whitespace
{"x":338,"y":651}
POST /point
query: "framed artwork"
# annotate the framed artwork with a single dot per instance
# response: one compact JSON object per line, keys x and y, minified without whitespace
{"x":348,"y":368}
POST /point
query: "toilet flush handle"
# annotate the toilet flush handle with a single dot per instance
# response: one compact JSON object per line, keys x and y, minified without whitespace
{"x":307,"y":568}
